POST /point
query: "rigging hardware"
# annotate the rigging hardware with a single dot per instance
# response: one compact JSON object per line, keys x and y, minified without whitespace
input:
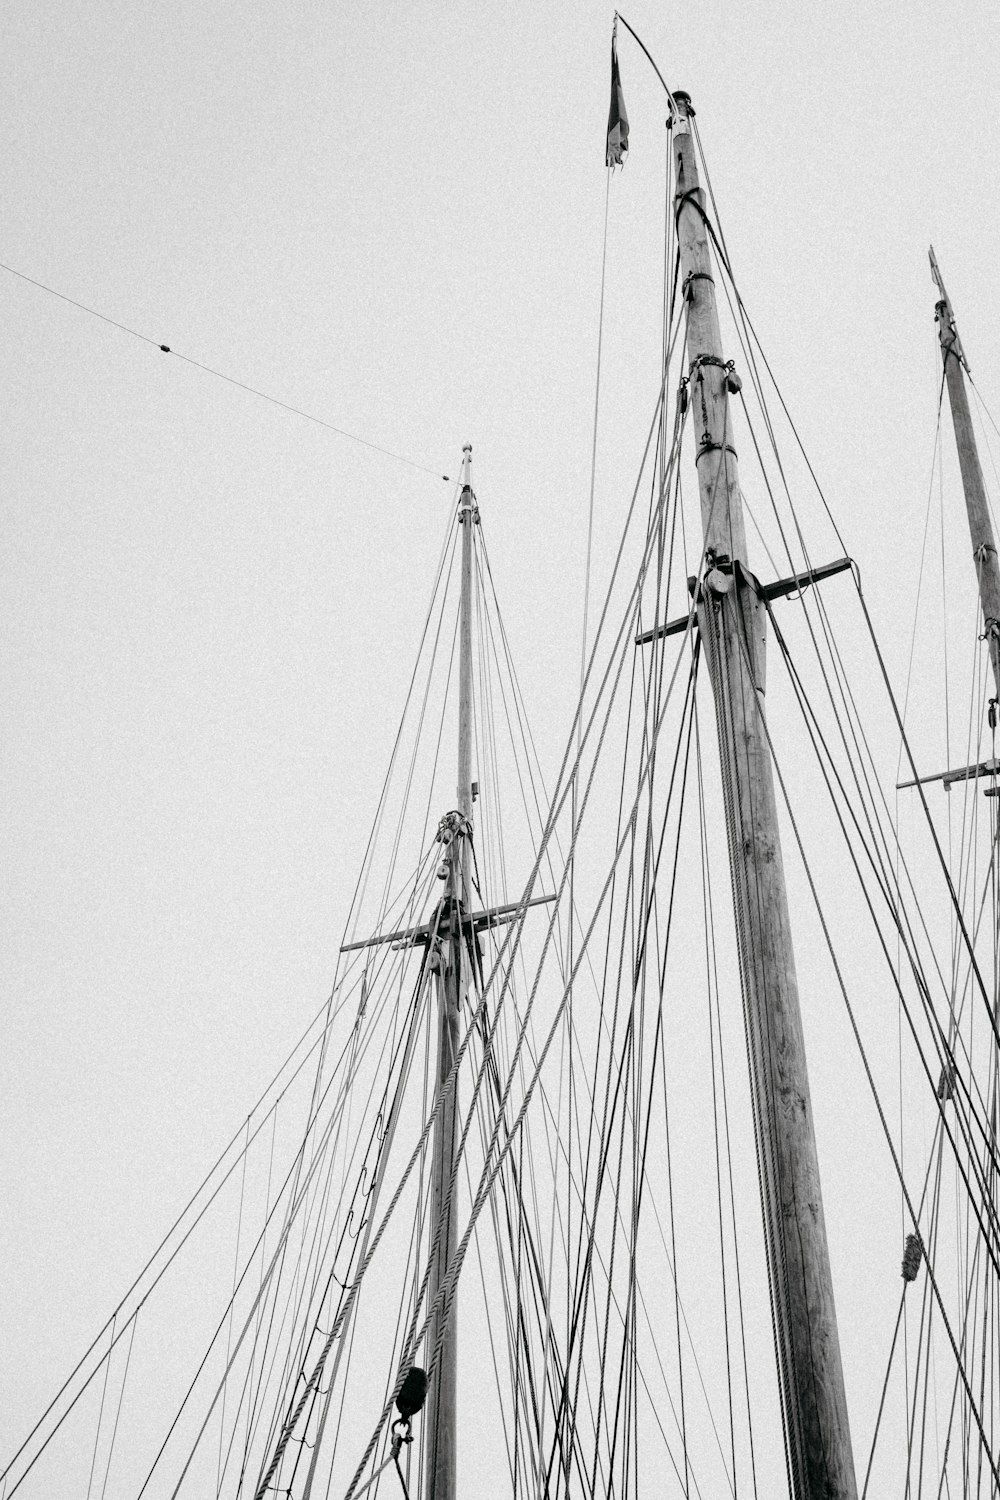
{"x":778,"y":590}
{"x":912,"y":1256}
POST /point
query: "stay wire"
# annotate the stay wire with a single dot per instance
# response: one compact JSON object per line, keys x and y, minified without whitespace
{"x":220,"y":1471}
{"x":658,"y":1049}
{"x":895,"y":912}
{"x":835,"y":528}
{"x":561,"y":794}
{"x":351,"y":1059}
{"x":118,"y":1409}
{"x":570,"y":935}
{"x":505,"y":1290}
{"x":100,"y":1416}
{"x":309,"y":1314}
{"x":720,"y":247}
{"x":229,"y":379}
{"x":188,"y":1208}
{"x":850,"y":1012}
{"x":584,"y":1288}
{"x":300,"y":1197}
{"x":891,"y":892}
{"x":581,"y":1283}
{"x":953,"y":896}
{"x":435,"y":610}
{"x":277,"y":1265}
{"x":767,"y":1159}
{"x":721,"y":250}
{"x":302,"y":1295}
{"x":583,"y":1279}
{"x":713,"y":986}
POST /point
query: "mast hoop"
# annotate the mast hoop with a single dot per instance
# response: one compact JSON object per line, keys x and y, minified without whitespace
{"x":711,"y":447}
{"x":699,"y":276}
{"x":706,"y":359}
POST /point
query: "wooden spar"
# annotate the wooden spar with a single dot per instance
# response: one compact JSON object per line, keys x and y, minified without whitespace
{"x":778,"y":590}
{"x":471,"y":923}
{"x":984,"y":549}
{"x":439,"y":1421}
{"x":467,"y":518}
{"x":818,"y":1442}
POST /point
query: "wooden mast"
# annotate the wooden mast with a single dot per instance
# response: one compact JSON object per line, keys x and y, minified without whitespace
{"x":984,"y":549}
{"x":732,"y":620}
{"x":448,"y":960}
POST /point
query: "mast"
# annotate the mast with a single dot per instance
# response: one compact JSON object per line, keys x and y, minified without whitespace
{"x":732,"y":624}
{"x":984,"y":548}
{"x":447,"y":960}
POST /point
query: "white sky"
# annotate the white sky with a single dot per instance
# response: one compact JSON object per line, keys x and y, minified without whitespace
{"x":390,"y":216}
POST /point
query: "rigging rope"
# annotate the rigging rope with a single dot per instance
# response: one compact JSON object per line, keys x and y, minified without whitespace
{"x":930,"y":1272}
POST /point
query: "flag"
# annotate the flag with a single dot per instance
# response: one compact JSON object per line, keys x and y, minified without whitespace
{"x":617,"y":118}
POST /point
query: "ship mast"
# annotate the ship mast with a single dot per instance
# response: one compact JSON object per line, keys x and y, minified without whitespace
{"x":732,"y":624}
{"x":448,"y":959}
{"x":983,"y":543}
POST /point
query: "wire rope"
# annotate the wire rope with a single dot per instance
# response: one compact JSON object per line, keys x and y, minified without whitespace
{"x":220,"y":375}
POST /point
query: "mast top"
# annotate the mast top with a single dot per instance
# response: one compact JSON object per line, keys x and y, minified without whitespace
{"x":936,"y":273}
{"x":950,"y":340}
{"x":681,"y":112}
{"x":466,"y":499}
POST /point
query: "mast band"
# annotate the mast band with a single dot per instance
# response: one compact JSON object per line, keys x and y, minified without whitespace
{"x":699,"y":276}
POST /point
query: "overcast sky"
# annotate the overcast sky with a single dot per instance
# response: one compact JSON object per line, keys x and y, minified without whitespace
{"x":389,"y":216}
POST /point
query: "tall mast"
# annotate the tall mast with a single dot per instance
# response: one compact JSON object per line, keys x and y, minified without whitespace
{"x":984,"y":549}
{"x":448,"y":959}
{"x":732,"y":624}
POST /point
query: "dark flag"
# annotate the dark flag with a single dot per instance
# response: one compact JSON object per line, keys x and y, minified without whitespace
{"x":617,"y":118}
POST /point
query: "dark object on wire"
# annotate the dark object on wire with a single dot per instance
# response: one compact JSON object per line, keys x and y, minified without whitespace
{"x":413,"y":1393}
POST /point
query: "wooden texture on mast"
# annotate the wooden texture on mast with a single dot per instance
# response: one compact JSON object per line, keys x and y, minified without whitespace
{"x":984,"y":549}
{"x":440,"y":1452}
{"x":730,"y":615}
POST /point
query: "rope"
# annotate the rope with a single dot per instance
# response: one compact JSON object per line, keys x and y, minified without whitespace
{"x":712,"y":984}
{"x":356,"y":1283}
{"x":897,"y":917}
{"x":300,"y":1197}
{"x":490,"y":1172}
{"x":133,"y":1289}
{"x":118,"y":1410}
{"x":878,"y":1104}
{"x":100,"y":1418}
